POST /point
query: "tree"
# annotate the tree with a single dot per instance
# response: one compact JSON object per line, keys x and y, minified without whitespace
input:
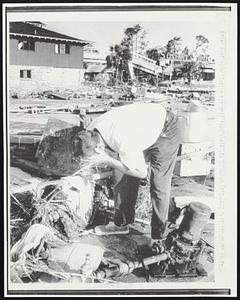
{"x":173,"y":45}
{"x":202,"y":44}
{"x":156,"y":53}
{"x":188,"y":69}
{"x":121,"y":53}
{"x":140,"y":39}
{"x":185,"y":51}
{"x":193,"y":69}
{"x":201,"y":40}
{"x":153,"y":54}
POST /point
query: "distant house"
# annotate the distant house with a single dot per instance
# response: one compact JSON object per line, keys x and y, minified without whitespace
{"x":40,"y":58}
{"x":93,"y":56}
{"x":208,"y":73}
{"x":207,"y":69}
{"x":94,"y":70}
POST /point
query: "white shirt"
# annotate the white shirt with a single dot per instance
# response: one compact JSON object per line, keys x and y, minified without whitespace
{"x":129,"y":130}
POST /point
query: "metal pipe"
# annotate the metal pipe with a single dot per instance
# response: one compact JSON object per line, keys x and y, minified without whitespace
{"x":129,"y":266}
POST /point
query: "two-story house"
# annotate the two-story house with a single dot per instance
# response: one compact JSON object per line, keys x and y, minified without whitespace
{"x":40,"y":58}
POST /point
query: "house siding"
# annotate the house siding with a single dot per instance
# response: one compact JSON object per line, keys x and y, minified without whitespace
{"x":44,"y":55}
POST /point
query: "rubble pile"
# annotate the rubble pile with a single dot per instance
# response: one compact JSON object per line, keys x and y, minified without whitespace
{"x":123,"y":92}
{"x":56,"y":213}
{"x":85,"y":92}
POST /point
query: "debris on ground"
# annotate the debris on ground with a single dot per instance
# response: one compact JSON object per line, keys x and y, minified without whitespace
{"x":54,"y":210}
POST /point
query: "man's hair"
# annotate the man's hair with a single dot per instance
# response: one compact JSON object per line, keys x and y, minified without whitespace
{"x":89,"y":138}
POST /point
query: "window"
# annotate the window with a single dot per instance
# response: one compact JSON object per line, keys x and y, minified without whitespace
{"x":25,"y":74}
{"x":26,"y":45}
{"x":62,"y":49}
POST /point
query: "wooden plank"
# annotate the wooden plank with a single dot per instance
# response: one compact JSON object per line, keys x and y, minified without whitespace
{"x":24,"y":139}
{"x":96,"y":110}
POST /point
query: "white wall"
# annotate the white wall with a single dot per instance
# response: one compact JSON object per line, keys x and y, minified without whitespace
{"x":43,"y":78}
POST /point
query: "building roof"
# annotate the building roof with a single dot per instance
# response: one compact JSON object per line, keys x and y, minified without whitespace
{"x":94,"y":56}
{"x":95,"y":68}
{"x":29,"y":30}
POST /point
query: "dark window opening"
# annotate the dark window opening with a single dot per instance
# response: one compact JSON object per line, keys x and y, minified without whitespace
{"x":62,"y":48}
{"x":67,"y":49}
{"x":26,"y":45}
{"x":25,"y":74}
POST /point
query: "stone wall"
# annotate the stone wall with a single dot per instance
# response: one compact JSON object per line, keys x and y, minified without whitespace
{"x":43,"y":78}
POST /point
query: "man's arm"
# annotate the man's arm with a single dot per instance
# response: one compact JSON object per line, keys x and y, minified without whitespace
{"x":104,"y":158}
{"x":116,"y":164}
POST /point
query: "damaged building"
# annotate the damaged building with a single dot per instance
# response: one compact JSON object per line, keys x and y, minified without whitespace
{"x":42,"y":58}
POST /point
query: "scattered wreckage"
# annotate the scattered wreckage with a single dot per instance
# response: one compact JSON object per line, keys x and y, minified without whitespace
{"x":49,"y":217}
{"x":67,"y":209}
{"x":55,"y":214}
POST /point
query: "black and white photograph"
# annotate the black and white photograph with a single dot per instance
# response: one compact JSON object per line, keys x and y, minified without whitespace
{"x":120,"y":149}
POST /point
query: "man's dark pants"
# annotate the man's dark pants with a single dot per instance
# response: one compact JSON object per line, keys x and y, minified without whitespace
{"x":162,"y":157}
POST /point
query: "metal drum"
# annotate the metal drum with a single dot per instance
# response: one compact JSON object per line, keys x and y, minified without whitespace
{"x":195,"y":218}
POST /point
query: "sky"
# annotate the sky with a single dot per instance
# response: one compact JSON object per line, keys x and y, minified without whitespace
{"x":106,"y":28}
{"x":104,"y":34}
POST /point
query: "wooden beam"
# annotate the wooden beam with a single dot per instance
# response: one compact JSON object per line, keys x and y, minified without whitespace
{"x":24,"y":139}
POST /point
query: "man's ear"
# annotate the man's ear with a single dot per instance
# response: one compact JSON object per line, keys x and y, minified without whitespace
{"x":99,"y":148}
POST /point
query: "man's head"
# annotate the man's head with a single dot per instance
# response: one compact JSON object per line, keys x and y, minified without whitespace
{"x":89,"y":143}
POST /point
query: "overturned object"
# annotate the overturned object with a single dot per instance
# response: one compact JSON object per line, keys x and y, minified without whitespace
{"x":77,"y":257}
{"x":178,"y":255}
{"x":38,"y":255}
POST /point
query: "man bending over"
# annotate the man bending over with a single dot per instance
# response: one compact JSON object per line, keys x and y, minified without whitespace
{"x":141,"y":135}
